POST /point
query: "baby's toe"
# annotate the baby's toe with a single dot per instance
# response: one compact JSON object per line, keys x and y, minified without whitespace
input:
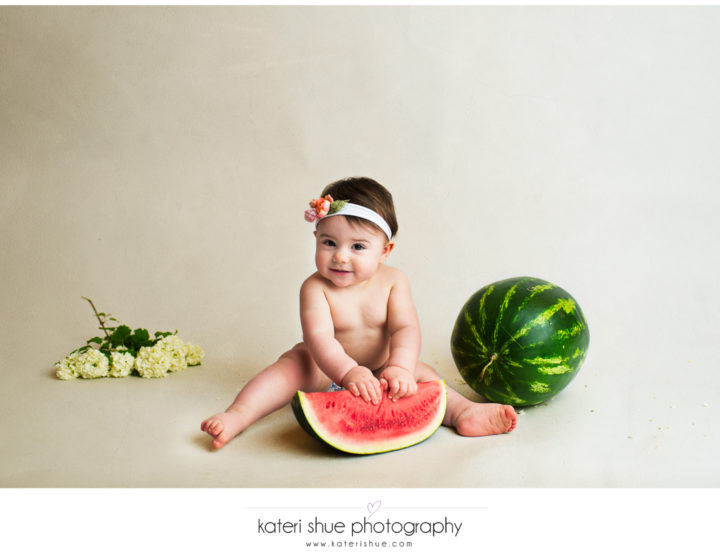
{"x":221,"y":439}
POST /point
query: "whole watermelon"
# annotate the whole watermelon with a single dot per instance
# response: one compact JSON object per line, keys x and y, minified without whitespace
{"x":520,"y":341}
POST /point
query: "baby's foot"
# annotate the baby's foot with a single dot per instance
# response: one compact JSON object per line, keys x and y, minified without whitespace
{"x":223,"y":427}
{"x":485,"y":419}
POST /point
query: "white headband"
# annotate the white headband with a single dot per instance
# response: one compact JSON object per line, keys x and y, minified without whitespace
{"x":326,"y":207}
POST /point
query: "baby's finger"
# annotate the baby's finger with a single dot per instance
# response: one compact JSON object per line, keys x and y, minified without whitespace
{"x":364,"y":392}
{"x":402,"y":390}
{"x":374,"y":394}
{"x":372,"y":391}
{"x":394,"y":388}
{"x":378,"y":388}
{"x":411,"y":389}
{"x":398,"y":393}
{"x":352,"y":388}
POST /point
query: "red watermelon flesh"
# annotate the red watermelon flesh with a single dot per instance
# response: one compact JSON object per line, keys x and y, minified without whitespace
{"x":349,"y":424}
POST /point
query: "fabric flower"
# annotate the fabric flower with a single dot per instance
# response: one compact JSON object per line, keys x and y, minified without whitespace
{"x":319,"y":208}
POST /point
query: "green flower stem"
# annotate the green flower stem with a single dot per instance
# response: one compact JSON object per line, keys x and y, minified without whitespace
{"x":102,"y":323}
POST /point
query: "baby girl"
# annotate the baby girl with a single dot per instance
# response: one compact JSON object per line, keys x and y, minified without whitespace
{"x":359,"y":323}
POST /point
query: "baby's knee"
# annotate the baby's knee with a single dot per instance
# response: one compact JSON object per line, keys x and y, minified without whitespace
{"x":301,"y":362}
{"x":298,"y":355}
{"x":425,"y":373}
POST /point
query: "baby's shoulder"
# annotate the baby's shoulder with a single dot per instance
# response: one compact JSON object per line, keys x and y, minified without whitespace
{"x":393,"y":276}
{"x":312,"y":293}
{"x":313,"y":283}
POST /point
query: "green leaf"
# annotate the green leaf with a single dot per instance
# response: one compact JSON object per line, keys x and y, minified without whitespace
{"x":118,"y":337}
{"x":139,"y":338}
{"x":97,"y":340}
{"x":142,"y":337}
{"x":336,"y":206}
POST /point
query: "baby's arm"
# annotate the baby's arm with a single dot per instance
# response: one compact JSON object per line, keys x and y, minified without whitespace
{"x":328,"y":353}
{"x":404,"y":329}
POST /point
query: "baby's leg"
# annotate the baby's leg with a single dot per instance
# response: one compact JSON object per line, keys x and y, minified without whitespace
{"x":271,"y":389}
{"x":469,"y":418}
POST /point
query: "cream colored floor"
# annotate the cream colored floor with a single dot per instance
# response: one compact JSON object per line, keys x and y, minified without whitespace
{"x":159,"y":160}
{"x":619,"y":424}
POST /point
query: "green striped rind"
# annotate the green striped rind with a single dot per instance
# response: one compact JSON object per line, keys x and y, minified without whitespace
{"x":535,"y":330}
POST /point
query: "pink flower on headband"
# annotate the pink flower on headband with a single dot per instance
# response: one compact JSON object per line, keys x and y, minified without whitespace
{"x":319,"y":208}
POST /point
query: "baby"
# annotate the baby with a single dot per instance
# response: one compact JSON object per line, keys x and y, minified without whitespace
{"x":360,"y":327}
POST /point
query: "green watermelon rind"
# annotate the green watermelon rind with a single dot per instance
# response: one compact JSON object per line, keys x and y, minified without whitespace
{"x":530,"y":336}
{"x":305,"y":415}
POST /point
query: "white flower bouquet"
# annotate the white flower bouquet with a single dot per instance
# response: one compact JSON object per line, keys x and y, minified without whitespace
{"x":123,"y":351}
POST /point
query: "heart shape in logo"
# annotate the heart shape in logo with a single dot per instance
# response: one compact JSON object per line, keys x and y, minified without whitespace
{"x":373,"y":508}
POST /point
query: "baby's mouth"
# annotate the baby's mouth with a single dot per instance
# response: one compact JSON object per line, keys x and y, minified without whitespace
{"x":337,"y":271}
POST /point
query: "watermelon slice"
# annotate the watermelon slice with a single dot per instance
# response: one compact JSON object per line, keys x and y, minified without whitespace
{"x":349,"y":424}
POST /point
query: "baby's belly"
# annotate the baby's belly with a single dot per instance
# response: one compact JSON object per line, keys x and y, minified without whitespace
{"x":371,"y":350}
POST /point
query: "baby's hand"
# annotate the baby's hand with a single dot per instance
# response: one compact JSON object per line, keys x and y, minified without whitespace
{"x":399,"y":382}
{"x":361,"y":381}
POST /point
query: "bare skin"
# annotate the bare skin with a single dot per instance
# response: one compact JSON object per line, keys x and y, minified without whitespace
{"x":357,"y":315}
{"x":466,"y":417}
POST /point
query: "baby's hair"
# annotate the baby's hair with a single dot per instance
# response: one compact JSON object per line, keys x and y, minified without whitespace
{"x":368,"y":193}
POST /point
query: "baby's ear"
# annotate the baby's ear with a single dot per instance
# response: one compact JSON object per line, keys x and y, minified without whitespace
{"x":387,"y":249}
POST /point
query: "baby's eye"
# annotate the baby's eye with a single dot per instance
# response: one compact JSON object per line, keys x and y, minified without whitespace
{"x":358,"y":247}
{"x":328,"y":243}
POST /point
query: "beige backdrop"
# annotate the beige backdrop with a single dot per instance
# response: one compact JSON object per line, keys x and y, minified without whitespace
{"x":159,"y":160}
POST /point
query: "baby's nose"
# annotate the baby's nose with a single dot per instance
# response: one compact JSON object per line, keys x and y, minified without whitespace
{"x":341,"y":255}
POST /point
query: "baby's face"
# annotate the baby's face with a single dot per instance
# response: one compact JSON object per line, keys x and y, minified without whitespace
{"x":348,"y":254}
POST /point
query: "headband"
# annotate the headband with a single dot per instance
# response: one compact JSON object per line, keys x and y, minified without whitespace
{"x":325,"y":207}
